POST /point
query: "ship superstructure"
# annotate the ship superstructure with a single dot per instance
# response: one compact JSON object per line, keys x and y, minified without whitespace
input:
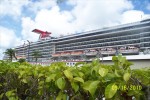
{"x":127,"y":39}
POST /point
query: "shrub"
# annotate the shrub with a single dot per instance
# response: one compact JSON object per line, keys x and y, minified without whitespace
{"x":84,"y":81}
{"x":21,"y":60}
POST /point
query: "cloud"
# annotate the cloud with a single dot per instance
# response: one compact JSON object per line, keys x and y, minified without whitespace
{"x":15,"y":8}
{"x":99,"y":13}
{"x":133,"y":16}
{"x":48,"y":20}
{"x":8,"y":39}
{"x":27,"y":26}
{"x":1,"y":53}
{"x":12,"y":7}
{"x":84,"y":16}
{"x":42,"y":4}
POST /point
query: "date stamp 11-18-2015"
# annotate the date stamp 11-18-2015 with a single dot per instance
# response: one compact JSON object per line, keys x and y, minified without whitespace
{"x":127,"y":87}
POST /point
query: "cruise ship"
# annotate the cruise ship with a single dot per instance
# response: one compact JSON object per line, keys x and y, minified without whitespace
{"x":127,"y":39}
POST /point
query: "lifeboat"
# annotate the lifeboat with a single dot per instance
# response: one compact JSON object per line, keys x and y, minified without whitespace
{"x":76,"y":52}
{"x":65,"y":53}
{"x":56,"y":55}
{"x":108,"y":51}
{"x":91,"y":52}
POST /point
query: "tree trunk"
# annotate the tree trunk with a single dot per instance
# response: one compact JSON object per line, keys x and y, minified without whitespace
{"x":11,"y":58}
{"x":36,"y":60}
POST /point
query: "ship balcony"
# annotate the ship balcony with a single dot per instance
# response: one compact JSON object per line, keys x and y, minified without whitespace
{"x":129,"y":51}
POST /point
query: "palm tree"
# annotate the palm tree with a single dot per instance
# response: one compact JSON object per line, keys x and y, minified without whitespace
{"x":36,"y":55}
{"x":11,"y":53}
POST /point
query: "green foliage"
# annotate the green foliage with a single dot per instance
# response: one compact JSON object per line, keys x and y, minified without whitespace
{"x":91,"y":86}
{"x":21,"y":60}
{"x":126,"y":76}
{"x":110,"y":90}
{"x":10,"y":53}
{"x":84,"y":81}
{"x":36,"y":54}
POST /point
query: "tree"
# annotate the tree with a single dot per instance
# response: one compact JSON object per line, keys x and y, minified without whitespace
{"x":11,"y":53}
{"x":36,"y":55}
{"x":21,"y":60}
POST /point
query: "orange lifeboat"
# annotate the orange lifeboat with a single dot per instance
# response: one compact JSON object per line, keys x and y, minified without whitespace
{"x":76,"y":52}
{"x":65,"y":53}
{"x":56,"y":55}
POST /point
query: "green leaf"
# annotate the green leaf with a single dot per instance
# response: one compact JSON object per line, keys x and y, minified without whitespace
{"x":79,"y":79}
{"x":24,"y":80}
{"x":126,"y":76}
{"x":110,"y":90}
{"x":40,"y":75}
{"x":40,"y":92}
{"x":117,"y":73}
{"x":103,"y":71}
{"x":68,"y":74}
{"x":10,"y":93}
{"x":1,"y":95}
{"x":121,"y":59}
{"x":22,"y":73}
{"x":41,"y":83}
{"x":80,"y":74}
{"x":114,"y":58}
{"x":91,"y":86}
{"x":51,"y":77}
{"x":134,"y":92}
{"x":61,"y":83}
{"x":61,"y":96}
{"x":95,"y":62}
{"x":35,"y":72}
{"x":75,"y":86}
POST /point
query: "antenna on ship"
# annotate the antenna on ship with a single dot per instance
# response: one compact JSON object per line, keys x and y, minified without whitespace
{"x":43,"y":34}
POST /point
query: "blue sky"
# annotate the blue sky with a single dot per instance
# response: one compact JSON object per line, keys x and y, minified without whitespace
{"x":19,"y":17}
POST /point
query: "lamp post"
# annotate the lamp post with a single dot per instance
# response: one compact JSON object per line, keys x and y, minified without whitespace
{"x":28,"y":50}
{"x":117,"y":52}
{"x":100,"y":55}
{"x":24,"y":50}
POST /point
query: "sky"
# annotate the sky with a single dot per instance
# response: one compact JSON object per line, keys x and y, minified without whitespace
{"x":63,"y":17}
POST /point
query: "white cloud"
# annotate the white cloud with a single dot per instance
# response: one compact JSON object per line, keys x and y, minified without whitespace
{"x":85,"y":16}
{"x":12,"y":7}
{"x":27,"y":26}
{"x":52,"y":21}
{"x":132,"y":16}
{"x":42,"y":4}
{"x":8,"y":39}
{"x":98,"y":13}
{"x":1,"y":53}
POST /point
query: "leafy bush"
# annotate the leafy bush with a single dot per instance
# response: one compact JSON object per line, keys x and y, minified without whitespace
{"x":21,"y":60}
{"x":84,"y":81}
